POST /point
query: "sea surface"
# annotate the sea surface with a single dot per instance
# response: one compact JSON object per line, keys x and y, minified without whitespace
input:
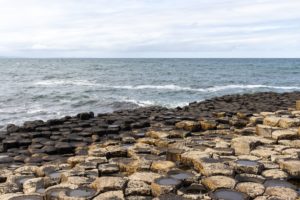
{"x":49,"y":88}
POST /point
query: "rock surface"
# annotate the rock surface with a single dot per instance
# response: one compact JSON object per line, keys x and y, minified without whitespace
{"x":231,"y":147}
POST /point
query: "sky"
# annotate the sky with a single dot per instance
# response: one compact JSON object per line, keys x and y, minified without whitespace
{"x":150,"y":28}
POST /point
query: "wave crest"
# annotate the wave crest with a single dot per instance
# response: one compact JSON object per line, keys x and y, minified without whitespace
{"x":170,"y":87}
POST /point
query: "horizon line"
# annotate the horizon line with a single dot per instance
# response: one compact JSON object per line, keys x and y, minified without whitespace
{"x":4,"y":57}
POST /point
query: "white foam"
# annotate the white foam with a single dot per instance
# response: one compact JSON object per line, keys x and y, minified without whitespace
{"x":139,"y":103}
{"x":65,"y":82}
{"x":209,"y":89}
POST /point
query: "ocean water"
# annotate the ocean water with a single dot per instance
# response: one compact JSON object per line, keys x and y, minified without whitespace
{"x":47,"y":88}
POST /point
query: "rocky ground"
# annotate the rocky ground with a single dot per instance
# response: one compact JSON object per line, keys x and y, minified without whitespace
{"x":234,"y":147}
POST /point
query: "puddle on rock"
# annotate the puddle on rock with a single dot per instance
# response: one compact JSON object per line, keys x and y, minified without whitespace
{"x":249,"y":163}
{"x":167,"y":181}
{"x":180,"y":175}
{"x":28,"y":197}
{"x":54,"y":193}
{"x":195,"y":189}
{"x":279,"y":183}
{"x":226,"y":194}
{"x":83,"y":192}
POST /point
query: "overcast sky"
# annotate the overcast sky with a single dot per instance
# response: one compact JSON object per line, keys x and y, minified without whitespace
{"x":150,"y":28}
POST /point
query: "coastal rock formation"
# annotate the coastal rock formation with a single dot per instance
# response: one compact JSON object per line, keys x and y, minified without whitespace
{"x":223,"y":152}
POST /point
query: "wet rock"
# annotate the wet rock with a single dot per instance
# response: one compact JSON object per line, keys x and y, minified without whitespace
{"x":216,"y":182}
{"x":226,"y":194}
{"x":64,"y":148}
{"x":106,"y":169}
{"x":248,"y":166}
{"x":9,"y":143}
{"x":137,"y":188}
{"x":251,"y":189}
{"x":194,"y":191}
{"x":164,"y":185}
{"x":23,"y":197}
{"x":55,"y":192}
{"x":5,"y":159}
{"x":107,"y":183}
{"x":111,"y":195}
{"x":80,"y":193}
{"x":33,"y":185}
{"x":250,"y":178}
{"x":187,"y":178}
{"x":11,"y":128}
{"x":85,"y":116}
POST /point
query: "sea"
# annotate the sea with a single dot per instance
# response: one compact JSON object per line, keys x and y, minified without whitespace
{"x":32,"y":89}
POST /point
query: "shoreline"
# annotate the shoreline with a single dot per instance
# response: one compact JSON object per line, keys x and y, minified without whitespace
{"x":208,"y":106}
{"x":206,"y":150}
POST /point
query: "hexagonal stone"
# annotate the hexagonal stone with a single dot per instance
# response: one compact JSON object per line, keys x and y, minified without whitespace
{"x":107,"y":183}
{"x":147,"y":177}
{"x":216,"y":182}
{"x":162,"y":166}
{"x":228,"y":194}
{"x":188,"y":125}
{"x":248,"y":166}
{"x":292,"y":167}
{"x":111,"y":195}
{"x":284,"y":134}
{"x":286,"y":122}
{"x":265,"y":131}
{"x":275,"y":174}
{"x":210,"y":166}
{"x":250,"y":188}
{"x":271,"y":121}
{"x":164,"y":185}
{"x":137,"y":188}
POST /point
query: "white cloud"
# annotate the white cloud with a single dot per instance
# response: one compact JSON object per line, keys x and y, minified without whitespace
{"x":108,"y":28}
